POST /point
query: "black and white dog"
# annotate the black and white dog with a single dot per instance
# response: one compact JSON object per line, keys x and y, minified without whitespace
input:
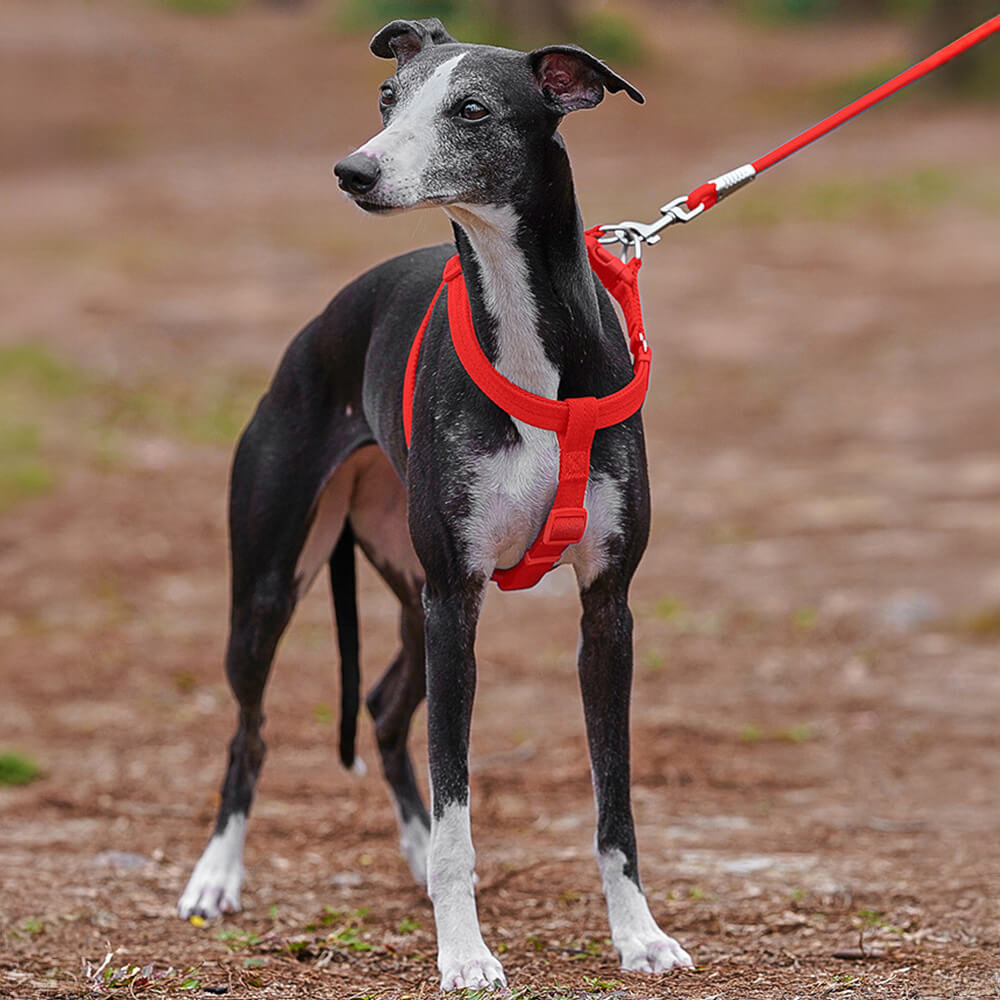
{"x":323,"y":466}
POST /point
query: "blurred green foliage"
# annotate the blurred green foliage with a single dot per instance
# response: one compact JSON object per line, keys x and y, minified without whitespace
{"x":894,"y":200}
{"x":201,"y":6}
{"x":61,"y":405}
{"x":609,"y":34}
{"x":365,"y":15}
{"x":804,"y":10}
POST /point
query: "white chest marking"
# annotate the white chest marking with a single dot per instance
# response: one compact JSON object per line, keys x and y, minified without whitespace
{"x":513,"y":489}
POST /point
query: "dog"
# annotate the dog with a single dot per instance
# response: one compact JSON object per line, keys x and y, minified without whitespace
{"x":324,"y":467}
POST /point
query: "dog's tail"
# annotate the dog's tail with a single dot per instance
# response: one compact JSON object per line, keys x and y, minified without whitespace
{"x":343,"y":585}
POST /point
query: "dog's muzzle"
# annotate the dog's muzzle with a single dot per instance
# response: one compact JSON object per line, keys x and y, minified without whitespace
{"x":358,"y":173}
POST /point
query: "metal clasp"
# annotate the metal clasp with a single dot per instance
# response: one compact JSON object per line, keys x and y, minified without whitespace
{"x":632,"y":235}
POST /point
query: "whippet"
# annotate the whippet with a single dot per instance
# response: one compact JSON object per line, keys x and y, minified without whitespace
{"x":324,"y":465}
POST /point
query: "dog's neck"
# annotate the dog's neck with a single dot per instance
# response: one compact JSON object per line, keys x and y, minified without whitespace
{"x":530,"y":286}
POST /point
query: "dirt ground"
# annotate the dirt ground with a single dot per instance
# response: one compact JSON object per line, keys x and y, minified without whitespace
{"x":815,"y":748}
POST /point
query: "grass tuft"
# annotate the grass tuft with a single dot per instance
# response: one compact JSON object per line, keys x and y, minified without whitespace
{"x":17,"y":769}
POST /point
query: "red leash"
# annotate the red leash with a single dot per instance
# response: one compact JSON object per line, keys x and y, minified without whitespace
{"x":702,"y":198}
{"x":575,"y":421}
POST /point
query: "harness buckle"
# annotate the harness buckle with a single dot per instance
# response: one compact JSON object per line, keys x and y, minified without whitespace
{"x":565,"y":526}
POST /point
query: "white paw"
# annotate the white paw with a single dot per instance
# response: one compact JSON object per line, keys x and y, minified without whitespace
{"x":214,"y":886}
{"x":210,"y":892}
{"x":471,"y":972}
{"x":652,"y":953}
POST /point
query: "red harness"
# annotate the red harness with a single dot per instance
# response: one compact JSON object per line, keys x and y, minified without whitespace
{"x":574,"y":420}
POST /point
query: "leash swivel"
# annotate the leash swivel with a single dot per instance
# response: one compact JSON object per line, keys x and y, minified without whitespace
{"x":632,"y":235}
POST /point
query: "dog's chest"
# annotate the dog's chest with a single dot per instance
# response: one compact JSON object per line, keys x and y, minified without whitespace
{"x":511,"y":492}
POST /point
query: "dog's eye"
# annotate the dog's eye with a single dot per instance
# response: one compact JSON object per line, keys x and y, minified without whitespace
{"x":473,"y":111}
{"x":386,"y":97}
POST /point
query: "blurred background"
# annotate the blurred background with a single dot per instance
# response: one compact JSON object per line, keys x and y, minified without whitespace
{"x":816,"y":619}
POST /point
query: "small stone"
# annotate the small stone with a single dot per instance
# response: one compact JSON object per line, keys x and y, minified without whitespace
{"x":121,"y":859}
{"x":346,"y":880}
{"x":909,"y":609}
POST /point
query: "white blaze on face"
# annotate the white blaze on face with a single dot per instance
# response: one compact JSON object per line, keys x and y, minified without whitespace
{"x":405,"y":146}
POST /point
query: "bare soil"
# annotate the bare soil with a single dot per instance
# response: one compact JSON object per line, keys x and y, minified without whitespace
{"x":815,"y":748}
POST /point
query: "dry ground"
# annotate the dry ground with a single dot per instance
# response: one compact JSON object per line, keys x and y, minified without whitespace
{"x":816,"y":754}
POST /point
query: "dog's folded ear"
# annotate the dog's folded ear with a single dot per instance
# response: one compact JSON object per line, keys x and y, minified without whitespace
{"x":404,"y":39}
{"x":571,"y":78}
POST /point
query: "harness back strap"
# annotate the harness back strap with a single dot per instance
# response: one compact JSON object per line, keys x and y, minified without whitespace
{"x":574,"y":420}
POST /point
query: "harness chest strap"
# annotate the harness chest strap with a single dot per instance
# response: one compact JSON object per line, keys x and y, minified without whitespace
{"x":574,"y":421}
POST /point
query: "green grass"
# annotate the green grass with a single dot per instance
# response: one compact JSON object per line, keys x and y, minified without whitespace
{"x":799,"y":732}
{"x":837,"y":200}
{"x":17,"y":769}
{"x":33,"y":365}
{"x":67,"y":414}
{"x":133,"y":980}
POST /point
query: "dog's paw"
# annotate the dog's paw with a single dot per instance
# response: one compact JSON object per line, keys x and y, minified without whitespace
{"x":208,"y":901}
{"x":210,"y":892}
{"x":214,"y":886}
{"x":652,"y":953}
{"x":471,"y":972}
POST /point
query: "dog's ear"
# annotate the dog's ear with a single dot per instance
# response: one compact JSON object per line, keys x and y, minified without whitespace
{"x":571,"y":78}
{"x":404,"y":39}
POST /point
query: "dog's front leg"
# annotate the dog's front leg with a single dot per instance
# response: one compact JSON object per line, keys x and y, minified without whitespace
{"x":605,"y":668}
{"x":451,"y":615}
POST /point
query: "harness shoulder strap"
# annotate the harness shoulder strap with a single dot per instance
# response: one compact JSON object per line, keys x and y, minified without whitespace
{"x":575,"y":421}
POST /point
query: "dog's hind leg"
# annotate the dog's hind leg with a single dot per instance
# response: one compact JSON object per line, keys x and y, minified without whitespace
{"x":392,"y":703}
{"x":605,"y":668}
{"x":378,"y":519}
{"x":286,"y":513}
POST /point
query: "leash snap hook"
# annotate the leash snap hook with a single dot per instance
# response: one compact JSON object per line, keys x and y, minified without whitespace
{"x":632,"y":235}
{"x":678,"y":211}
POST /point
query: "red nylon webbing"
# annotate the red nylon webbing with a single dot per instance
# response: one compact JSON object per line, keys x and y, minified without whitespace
{"x":574,"y":420}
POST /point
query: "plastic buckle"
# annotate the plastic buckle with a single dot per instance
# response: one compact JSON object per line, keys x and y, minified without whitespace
{"x":565,"y":526}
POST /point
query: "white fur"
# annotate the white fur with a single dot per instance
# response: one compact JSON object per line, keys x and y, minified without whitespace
{"x":414,"y":842}
{"x":513,"y":489}
{"x":589,"y":557}
{"x":463,"y":958}
{"x":643,"y":947}
{"x":214,"y":886}
{"x":404,"y":148}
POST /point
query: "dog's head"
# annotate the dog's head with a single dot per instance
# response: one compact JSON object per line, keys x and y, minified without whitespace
{"x":463,"y":124}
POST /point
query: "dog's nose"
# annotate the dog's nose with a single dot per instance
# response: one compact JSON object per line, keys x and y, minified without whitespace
{"x":357,"y":173}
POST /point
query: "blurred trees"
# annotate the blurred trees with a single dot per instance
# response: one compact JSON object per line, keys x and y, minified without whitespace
{"x":534,"y":18}
{"x":944,"y":22}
